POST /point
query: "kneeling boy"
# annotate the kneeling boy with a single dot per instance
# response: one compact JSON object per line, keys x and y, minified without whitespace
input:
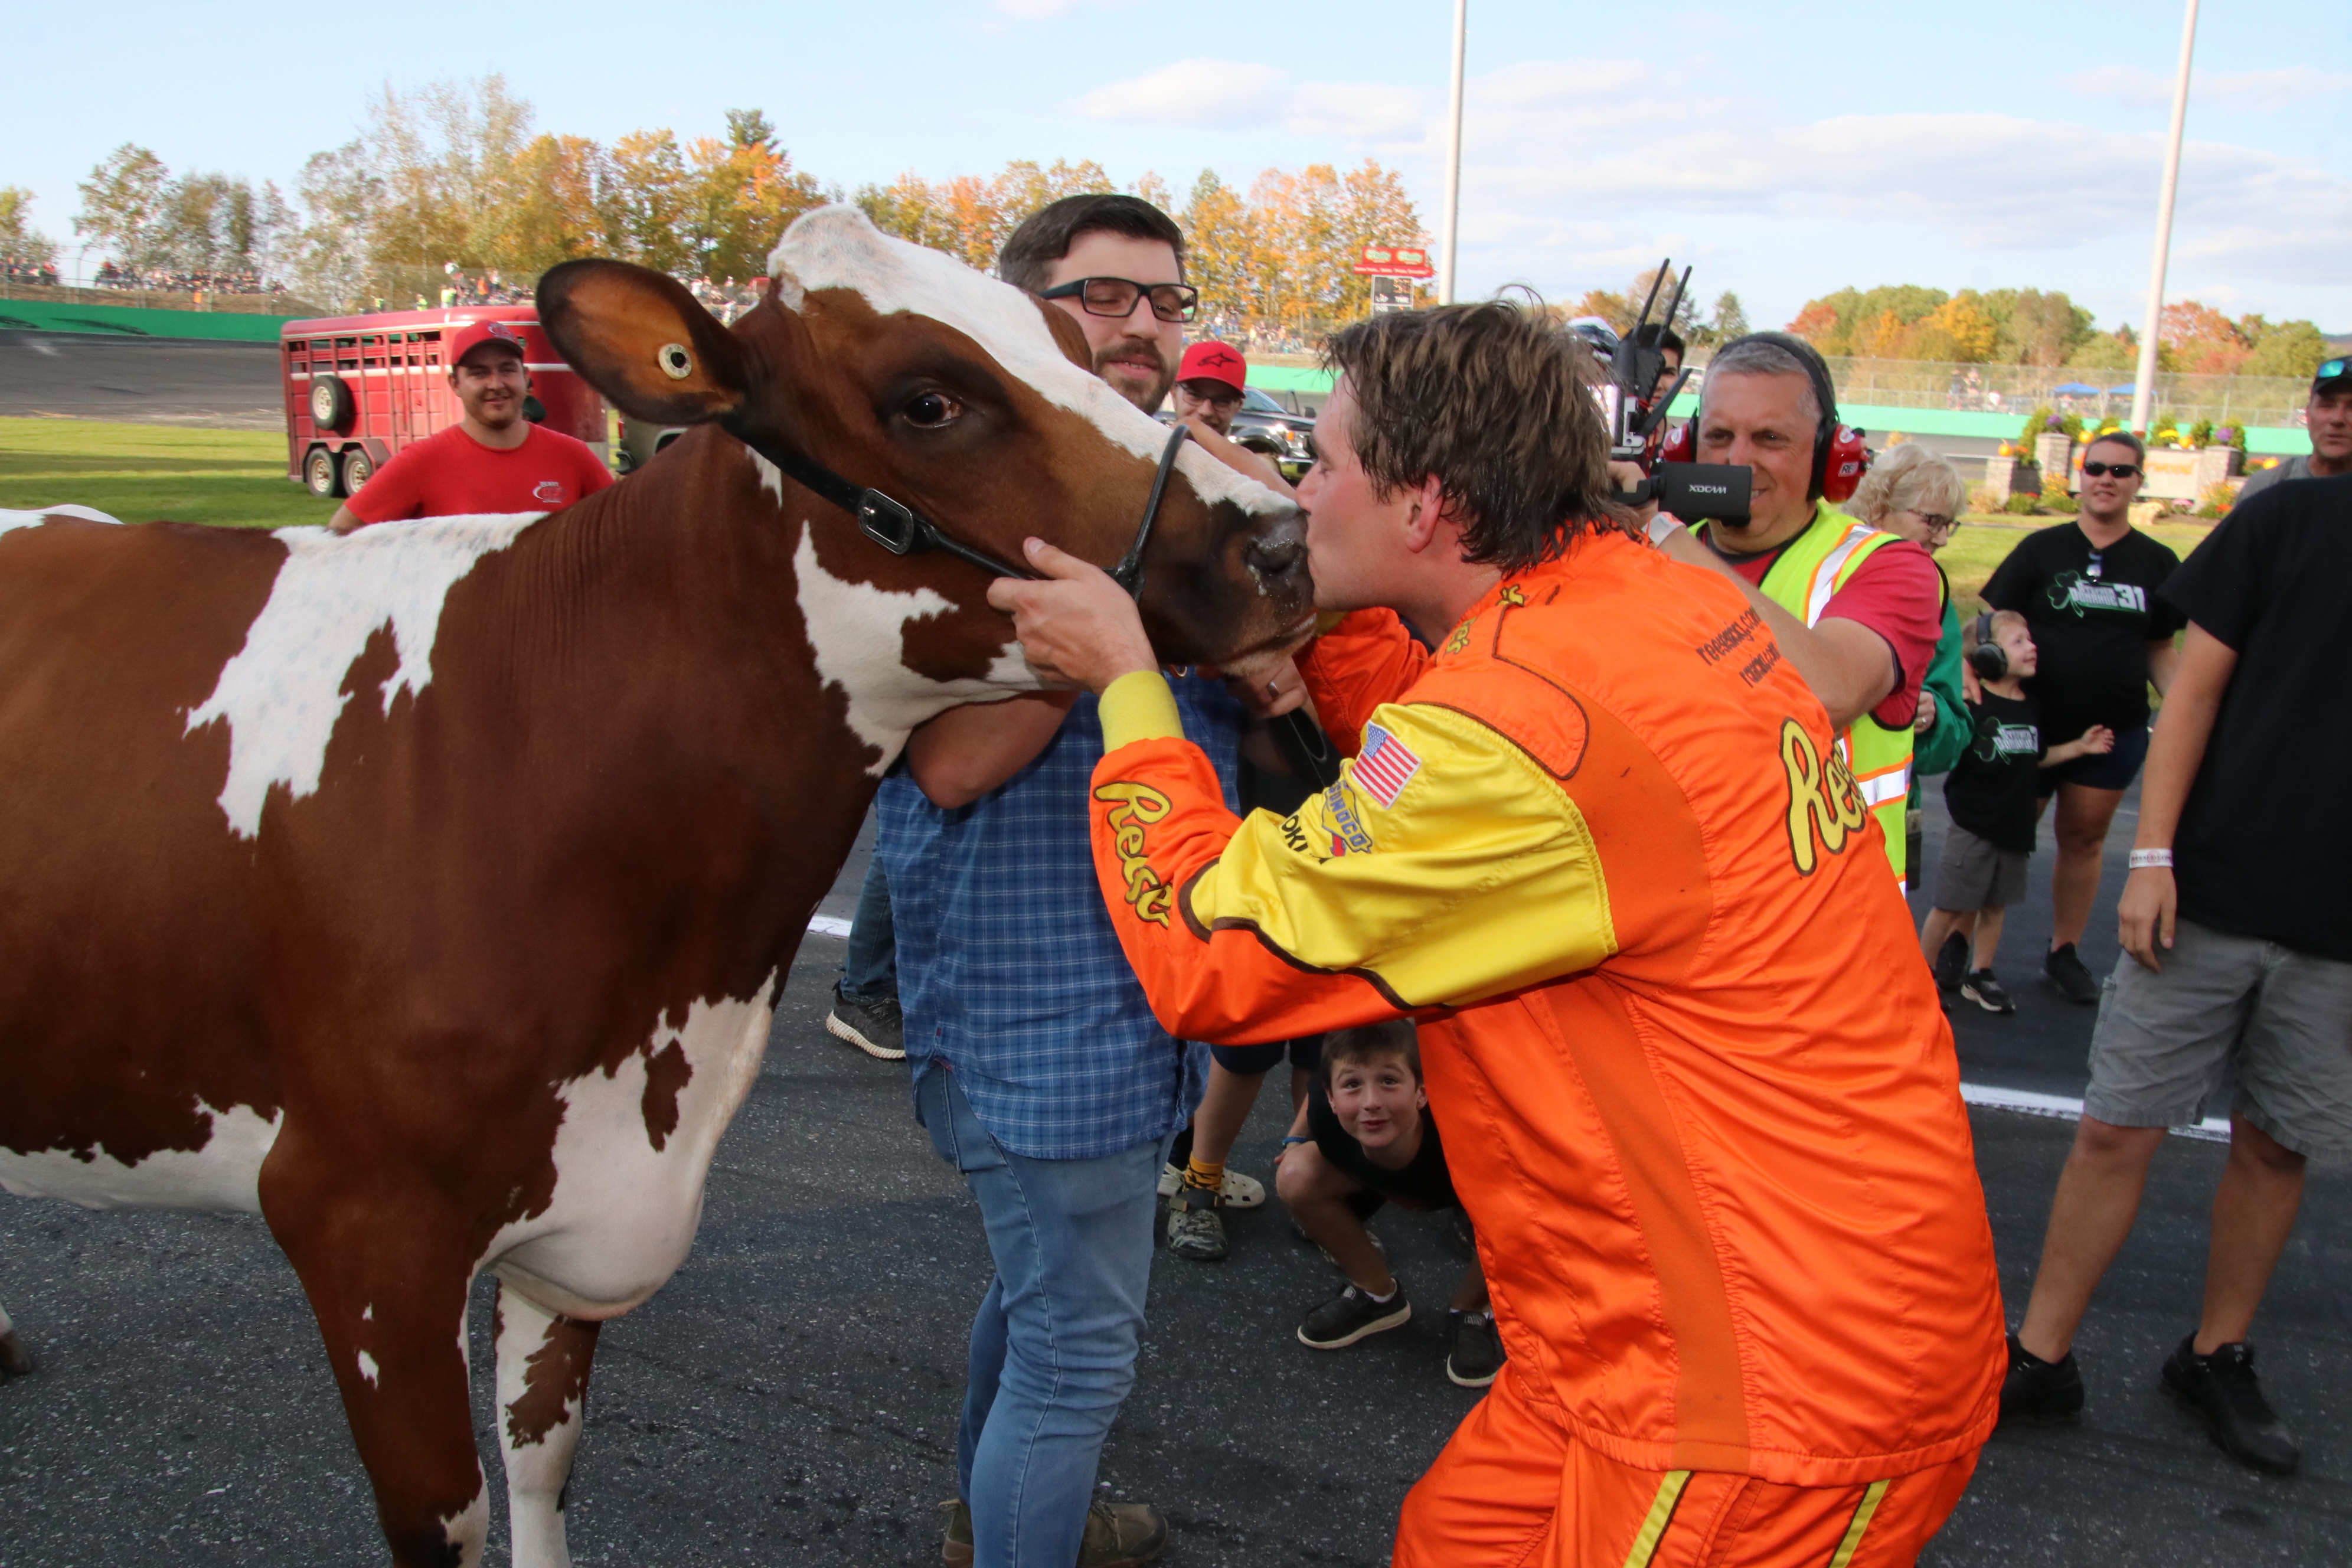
{"x":1364,"y":1137}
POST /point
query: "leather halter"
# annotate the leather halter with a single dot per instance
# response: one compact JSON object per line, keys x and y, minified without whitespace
{"x":902,"y":530}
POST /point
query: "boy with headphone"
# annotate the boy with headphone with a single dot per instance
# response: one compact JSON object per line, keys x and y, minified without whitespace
{"x":1991,"y":796}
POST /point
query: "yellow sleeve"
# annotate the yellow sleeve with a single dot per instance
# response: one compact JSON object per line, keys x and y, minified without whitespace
{"x":1446,"y":866}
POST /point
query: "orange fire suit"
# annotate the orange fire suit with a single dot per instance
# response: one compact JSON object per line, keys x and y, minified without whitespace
{"x":1710,"y":1130}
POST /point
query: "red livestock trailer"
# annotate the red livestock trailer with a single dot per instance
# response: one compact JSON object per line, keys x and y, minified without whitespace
{"x":358,"y":388}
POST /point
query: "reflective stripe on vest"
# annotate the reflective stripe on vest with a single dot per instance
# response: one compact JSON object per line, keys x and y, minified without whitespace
{"x":1806,"y":577}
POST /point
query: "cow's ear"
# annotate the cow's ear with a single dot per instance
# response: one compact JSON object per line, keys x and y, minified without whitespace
{"x":640,"y":339}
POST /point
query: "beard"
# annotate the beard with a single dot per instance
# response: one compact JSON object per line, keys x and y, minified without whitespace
{"x":1122,"y":378}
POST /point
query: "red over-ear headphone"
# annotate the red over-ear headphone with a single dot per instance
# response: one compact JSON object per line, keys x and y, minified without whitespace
{"x":1840,"y":457}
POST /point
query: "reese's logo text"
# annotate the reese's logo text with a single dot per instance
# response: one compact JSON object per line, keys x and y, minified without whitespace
{"x":1133,"y":808}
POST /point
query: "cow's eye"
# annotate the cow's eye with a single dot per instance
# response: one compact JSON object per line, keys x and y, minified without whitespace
{"x":931,"y":410}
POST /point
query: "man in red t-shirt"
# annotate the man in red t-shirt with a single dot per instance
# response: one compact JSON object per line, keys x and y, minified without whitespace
{"x":492,"y":461}
{"x":1866,"y":649}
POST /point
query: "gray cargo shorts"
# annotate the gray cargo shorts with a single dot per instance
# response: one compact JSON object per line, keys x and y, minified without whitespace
{"x":2283,"y":1018}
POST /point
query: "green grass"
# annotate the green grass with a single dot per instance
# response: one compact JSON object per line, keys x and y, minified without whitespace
{"x":144,"y":472}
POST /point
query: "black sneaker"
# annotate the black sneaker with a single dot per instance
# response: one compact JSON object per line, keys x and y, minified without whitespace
{"x":1983,"y":990}
{"x":1473,"y":1352}
{"x":2065,"y":970}
{"x":1951,"y":964}
{"x":2220,"y":1388}
{"x":875,"y":1027}
{"x":1350,"y":1316}
{"x":2041,"y":1393}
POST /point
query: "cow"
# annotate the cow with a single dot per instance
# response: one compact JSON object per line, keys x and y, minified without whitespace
{"x":427,"y":890}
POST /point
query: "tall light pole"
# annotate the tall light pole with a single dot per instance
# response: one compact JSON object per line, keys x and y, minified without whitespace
{"x":1450,"y":242}
{"x":2144,"y":382}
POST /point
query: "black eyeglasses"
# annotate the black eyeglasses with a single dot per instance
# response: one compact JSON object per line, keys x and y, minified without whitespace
{"x":1117,"y":296}
{"x":2120,"y":470}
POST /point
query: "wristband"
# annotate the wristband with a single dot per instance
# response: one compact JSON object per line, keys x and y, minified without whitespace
{"x":1287,"y":1141}
{"x":2143,"y":859}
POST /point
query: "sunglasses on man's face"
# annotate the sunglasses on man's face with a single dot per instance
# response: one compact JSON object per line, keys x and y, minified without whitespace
{"x":1117,"y":296}
{"x":2120,"y":470}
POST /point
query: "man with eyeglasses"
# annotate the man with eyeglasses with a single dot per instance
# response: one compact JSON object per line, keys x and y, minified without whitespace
{"x":2089,"y":590}
{"x":1038,"y":1069}
{"x":2328,"y":418}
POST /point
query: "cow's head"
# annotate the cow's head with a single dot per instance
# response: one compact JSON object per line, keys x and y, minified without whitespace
{"x":900,"y":368}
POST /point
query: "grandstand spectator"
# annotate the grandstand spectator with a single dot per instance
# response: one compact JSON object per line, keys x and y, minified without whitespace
{"x":492,"y":461}
{"x":2237,"y":966}
{"x":2088,"y":589}
{"x":1915,"y":494}
{"x":2328,"y":418}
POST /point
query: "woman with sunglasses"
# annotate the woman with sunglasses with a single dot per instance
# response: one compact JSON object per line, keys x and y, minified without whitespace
{"x":2087,"y":588}
{"x":1914,"y":494}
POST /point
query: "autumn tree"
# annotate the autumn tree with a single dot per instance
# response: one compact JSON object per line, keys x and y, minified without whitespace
{"x":22,"y":245}
{"x":121,"y":202}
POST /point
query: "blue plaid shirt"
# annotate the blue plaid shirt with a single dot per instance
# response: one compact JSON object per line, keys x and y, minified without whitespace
{"x":1008,"y":969}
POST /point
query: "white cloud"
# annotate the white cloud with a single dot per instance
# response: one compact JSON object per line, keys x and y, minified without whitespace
{"x":1988,"y":181}
{"x":2256,"y":89}
{"x":1230,"y":95}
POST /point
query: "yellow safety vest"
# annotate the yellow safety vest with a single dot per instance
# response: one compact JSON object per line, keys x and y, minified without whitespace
{"x":1809,"y":573}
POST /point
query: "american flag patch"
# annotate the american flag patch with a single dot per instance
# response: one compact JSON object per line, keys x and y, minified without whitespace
{"x":1384,"y":766}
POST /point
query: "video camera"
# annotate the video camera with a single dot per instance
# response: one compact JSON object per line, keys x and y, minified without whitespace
{"x":1691,"y":492}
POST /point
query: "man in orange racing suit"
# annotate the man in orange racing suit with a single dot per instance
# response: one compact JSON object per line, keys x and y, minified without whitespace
{"x":1600,"y":845}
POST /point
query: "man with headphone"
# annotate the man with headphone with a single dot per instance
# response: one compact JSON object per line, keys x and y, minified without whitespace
{"x":1856,"y":610}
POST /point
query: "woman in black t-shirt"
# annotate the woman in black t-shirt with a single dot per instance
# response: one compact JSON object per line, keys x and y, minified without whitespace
{"x":2087,"y":589}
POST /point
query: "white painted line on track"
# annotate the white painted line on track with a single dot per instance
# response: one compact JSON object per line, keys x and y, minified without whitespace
{"x":2212,"y":1130}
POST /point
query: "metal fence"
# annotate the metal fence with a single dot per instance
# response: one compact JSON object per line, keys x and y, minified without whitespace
{"x":2275,"y":401}
{"x":160,"y":300}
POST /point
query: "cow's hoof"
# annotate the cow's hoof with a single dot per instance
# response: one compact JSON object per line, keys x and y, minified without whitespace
{"x":14,"y":1359}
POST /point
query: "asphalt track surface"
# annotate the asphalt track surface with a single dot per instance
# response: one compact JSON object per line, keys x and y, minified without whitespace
{"x":214,"y":385}
{"x":791,"y":1398}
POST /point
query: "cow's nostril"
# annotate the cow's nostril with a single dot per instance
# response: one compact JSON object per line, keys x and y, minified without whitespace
{"x":1273,"y":557}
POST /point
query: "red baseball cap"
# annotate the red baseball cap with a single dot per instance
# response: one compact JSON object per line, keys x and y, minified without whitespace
{"x":465,"y":340}
{"x":1210,"y":360}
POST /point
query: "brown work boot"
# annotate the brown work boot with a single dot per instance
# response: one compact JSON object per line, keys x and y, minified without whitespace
{"x":1122,"y":1535}
{"x":1118,"y":1534}
{"x":955,"y":1547}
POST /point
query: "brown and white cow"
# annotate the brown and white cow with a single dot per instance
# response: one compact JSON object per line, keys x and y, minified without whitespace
{"x":427,"y":890}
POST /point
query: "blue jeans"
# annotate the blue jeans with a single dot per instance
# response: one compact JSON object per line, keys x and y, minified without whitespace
{"x":870,"y":973}
{"x":1052,"y":1347}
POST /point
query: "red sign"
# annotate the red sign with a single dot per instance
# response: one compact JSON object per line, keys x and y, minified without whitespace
{"x":1396,"y":261}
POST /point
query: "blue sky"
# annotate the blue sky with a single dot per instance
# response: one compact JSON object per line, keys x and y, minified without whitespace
{"x":1787,"y":149}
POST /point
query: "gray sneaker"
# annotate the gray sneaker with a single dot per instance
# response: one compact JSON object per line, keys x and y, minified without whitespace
{"x":875,"y":1027}
{"x":1195,"y":1229}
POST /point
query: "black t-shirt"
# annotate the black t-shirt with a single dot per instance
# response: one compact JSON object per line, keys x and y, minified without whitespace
{"x":1992,"y":789}
{"x":2263,"y":843}
{"x":1424,"y":1184}
{"x":2092,"y":621}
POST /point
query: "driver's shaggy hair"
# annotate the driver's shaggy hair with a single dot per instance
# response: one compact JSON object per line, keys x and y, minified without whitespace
{"x":1498,"y":404}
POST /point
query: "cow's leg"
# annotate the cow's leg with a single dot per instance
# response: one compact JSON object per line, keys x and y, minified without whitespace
{"x":14,"y":1359}
{"x":390,"y":1297}
{"x":543,"y":1360}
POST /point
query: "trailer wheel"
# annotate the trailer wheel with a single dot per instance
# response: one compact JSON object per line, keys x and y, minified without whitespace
{"x":358,"y":469}
{"x":319,"y":474}
{"x":330,"y":401}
